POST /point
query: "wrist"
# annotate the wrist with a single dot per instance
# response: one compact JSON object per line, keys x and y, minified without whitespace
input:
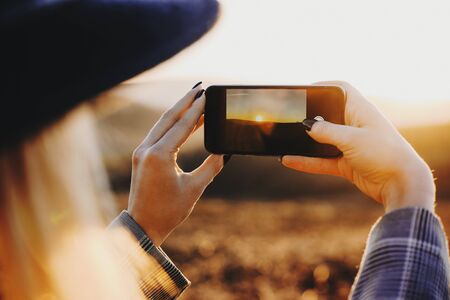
{"x":150,"y":230}
{"x":413,"y":187}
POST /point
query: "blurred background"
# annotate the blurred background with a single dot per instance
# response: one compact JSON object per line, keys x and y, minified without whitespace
{"x":262,"y":231}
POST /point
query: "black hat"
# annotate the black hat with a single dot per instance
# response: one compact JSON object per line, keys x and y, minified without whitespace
{"x":56,"y":53}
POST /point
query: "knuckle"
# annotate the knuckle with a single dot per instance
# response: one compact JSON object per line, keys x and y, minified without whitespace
{"x":154,"y":153}
{"x":136,"y":157}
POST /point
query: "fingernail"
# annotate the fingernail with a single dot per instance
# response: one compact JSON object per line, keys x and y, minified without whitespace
{"x":226,"y":158}
{"x":199,"y":94}
{"x":197,"y":84}
{"x":319,"y":118}
{"x":308,"y":124}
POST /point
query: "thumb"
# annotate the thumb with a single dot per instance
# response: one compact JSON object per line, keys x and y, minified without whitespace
{"x":206,"y":172}
{"x":330,"y":133}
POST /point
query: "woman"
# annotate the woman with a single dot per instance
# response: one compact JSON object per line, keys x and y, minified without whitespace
{"x":55,"y":203}
{"x":53,"y":245}
{"x":406,"y":256}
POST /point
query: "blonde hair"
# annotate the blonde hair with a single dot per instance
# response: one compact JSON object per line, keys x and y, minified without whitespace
{"x":54,"y":206}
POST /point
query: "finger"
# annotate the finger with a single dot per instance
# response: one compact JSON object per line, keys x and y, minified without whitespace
{"x":200,"y":122}
{"x":179,"y":132}
{"x":170,"y":117}
{"x":350,"y":90}
{"x":359,"y":111}
{"x":206,"y":172}
{"x":343,"y":84}
{"x":313,"y":165}
{"x":337,"y":135}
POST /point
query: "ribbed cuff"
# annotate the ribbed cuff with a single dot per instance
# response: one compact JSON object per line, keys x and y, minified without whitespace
{"x":411,"y":222}
{"x":167,"y":286}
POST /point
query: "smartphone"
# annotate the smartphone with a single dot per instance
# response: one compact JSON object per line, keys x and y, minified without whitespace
{"x":267,"y":120}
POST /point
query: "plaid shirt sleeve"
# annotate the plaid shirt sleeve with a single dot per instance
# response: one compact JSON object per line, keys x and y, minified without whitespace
{"x":162,"y":280}
{"x":406,"y":257}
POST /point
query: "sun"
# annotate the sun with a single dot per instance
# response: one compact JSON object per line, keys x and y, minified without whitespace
{"x":259,"y":118}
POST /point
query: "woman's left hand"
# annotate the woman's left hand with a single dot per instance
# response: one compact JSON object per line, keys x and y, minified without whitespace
{"x":162,"y":195}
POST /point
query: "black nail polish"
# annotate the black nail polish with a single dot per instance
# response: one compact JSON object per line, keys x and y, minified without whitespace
{"x":226,"y":158}
{"x":199,"y":94}
{"x":308,"y":124}
{"x":197,"y":84}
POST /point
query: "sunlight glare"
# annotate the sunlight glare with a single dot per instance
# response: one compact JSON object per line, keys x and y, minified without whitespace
{"x":401,"y":60}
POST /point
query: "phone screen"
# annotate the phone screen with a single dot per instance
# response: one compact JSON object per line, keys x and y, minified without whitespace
{"x":256,"y":107}
{"x":267,"y":120}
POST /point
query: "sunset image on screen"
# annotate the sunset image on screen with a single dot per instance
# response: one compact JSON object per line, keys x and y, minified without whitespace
{"x":266,"y":105}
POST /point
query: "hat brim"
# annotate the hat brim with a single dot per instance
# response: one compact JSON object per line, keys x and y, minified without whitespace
{"x":63,"y":52}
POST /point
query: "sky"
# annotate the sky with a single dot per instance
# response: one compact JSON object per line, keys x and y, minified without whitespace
{"x":266,"y":105}
{"x":394,"y":51}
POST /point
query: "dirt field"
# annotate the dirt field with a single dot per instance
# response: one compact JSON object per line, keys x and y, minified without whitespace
{"x":288,"y":249}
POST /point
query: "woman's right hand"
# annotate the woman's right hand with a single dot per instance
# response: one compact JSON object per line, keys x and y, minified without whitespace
{"x":162,"y":195}
{"x":376,"y":158}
